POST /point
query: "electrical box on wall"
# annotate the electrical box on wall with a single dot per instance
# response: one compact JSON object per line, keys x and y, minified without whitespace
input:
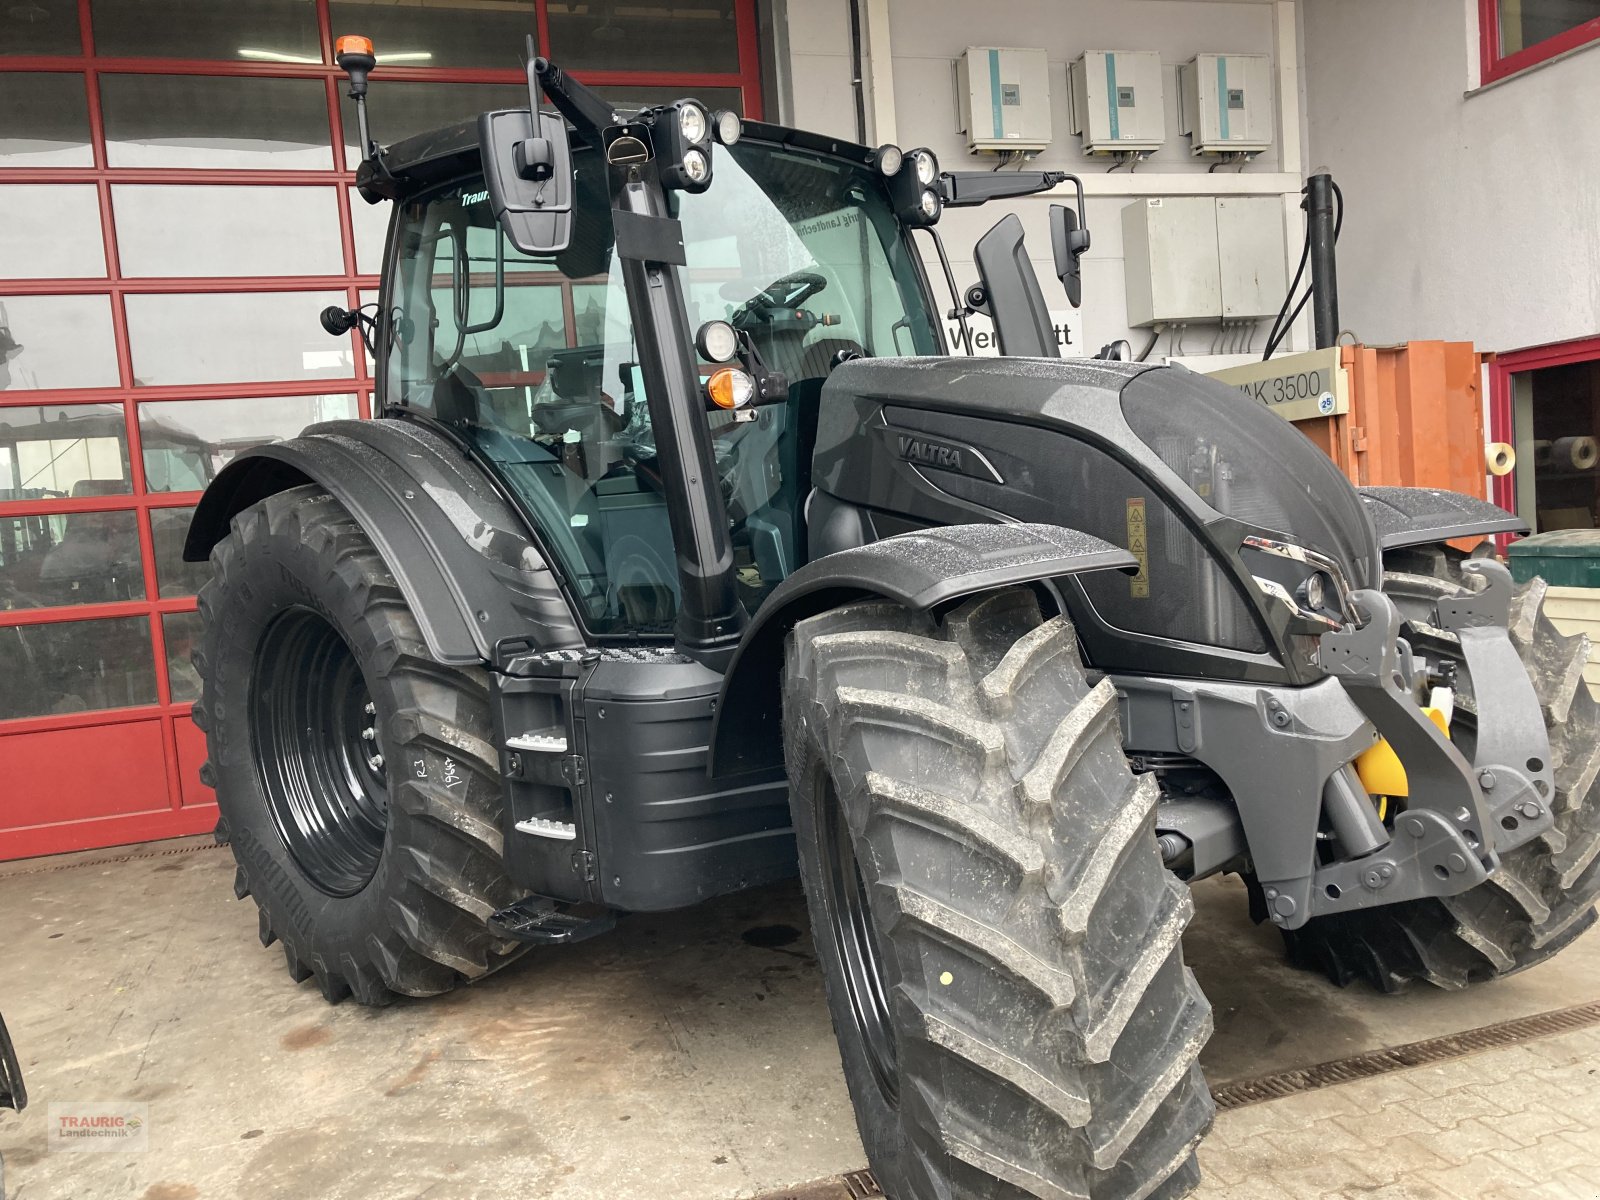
{"x":1250,"y":252}
{"x":1116,"y":101}
{"x":1003,"y":99}
{"x":1225,"y":103}
{"x":1203,"y":258}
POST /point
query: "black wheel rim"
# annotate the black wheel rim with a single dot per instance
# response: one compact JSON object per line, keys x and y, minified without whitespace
{"x":866,"y":982}
{"x":318,"y":751}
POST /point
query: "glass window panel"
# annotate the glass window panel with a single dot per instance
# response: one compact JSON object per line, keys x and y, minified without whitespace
{"x":678,"y":35}
{"x":46,"y":120}
{"x":50,"y":451}
{"x":174,"y":577}
{"x":50,"y":230}
{"x":205,"y":121}
{"x":438,"y":33}
{"x":71,"y":558}
{"x":630,"y":98}
{"x":56,"y":342}
{"x":75,"y":666}
{"x":227,"y":230}
{"x":398,"y":110}
{"x":232,"y":338}
{"x":1525,"y":23}
{"x":370,"y":223}
{"x":254,"y":30}
{"x":40,"y":27}
{"x":186,"y":442}
{"x":181,"y":632}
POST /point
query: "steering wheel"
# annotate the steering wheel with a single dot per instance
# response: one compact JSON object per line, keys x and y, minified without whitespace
{"x":791,"y":291}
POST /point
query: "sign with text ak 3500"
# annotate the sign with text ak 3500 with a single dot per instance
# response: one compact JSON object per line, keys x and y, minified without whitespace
{"x":1298,"y":387}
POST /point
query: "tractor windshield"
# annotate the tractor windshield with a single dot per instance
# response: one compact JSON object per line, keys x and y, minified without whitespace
{"x":533,"y":360}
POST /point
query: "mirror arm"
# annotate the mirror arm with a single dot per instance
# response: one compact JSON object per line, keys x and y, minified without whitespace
{"x":588,"y":111}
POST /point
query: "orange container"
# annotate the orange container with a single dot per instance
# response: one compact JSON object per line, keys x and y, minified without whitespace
{"x":1415,"y":417}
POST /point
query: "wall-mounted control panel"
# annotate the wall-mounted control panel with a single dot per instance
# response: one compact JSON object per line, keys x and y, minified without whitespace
{"x":1225,"y":103}
{"x":1116,"y":101}
{"x":1003,"y":99}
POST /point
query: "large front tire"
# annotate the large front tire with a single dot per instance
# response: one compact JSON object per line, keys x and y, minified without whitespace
{"x":356,"y":777}
{"x":1543,"y":896}
{"x":999,"y":940}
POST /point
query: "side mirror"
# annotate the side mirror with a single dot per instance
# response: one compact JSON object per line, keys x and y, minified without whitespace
{"x":527,"y":165}
{"x":1068,"y":240}
{"x":1022,"y":323}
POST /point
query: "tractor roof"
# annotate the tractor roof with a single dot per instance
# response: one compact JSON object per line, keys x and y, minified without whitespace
{"x":451,"y":151}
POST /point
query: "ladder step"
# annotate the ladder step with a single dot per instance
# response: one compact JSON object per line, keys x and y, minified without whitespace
{"x":538,"y":743}
{"x":539,"y":827}
{"x":547,"y":922}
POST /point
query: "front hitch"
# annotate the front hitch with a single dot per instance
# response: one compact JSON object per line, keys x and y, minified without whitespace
{"x":1512,"y":755}
{"x":1501,"y":800}
{"x":1444,"y":840}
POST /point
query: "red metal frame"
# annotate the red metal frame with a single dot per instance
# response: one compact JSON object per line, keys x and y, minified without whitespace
{"x":33,"y":785}
{"x":1501,"y":369}
{"x":1495,"y":65}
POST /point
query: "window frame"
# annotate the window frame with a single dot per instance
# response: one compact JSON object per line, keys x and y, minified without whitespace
{"x":1495,"y":66}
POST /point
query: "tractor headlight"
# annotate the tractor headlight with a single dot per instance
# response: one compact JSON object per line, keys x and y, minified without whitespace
{"x":692,"y":122}
{"x":1315,"y":590}
{"x":887,"y":159}
{"x":729,"y":127}
{"x":1309,"y":584}
{"x":717,"y":341}
{"x":914,"y":187}
{"x":682,"y":135}
{"x":696,"y":166}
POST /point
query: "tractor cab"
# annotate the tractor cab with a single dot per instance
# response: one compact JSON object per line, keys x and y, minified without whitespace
{"x":628,"y":319}
{"x":794,"y":261}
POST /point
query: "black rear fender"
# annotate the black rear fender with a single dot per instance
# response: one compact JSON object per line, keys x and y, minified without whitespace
{"x":920,"y":570}
{"x":461,"y":557}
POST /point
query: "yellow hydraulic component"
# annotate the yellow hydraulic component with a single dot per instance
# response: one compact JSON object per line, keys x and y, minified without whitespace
{"x":1381,"y":771}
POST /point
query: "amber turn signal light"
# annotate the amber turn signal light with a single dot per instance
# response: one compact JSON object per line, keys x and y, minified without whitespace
{"x":730,"y":388}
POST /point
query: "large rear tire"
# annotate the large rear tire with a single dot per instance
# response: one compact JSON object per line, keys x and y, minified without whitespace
{"x":1544,"y":894}
{"x":999,"y":940}
{"x":357,"y":778}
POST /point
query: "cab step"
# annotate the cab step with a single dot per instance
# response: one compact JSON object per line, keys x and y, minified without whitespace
{"x":545,"y":922}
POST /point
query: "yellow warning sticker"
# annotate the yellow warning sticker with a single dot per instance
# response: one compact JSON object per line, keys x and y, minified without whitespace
{"x":1139,"y":547}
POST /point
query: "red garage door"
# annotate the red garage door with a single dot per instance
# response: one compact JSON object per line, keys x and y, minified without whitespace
{"x":175,"y":209}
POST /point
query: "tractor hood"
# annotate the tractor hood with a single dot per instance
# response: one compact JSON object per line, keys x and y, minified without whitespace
{"x":1174,"y":466}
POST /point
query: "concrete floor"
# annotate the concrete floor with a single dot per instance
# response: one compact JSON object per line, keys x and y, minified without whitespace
{"x":684,"y":1056}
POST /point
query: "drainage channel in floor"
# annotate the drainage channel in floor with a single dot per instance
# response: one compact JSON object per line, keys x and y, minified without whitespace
{"x":1280,"y":1084}
{"x":91,"y":858}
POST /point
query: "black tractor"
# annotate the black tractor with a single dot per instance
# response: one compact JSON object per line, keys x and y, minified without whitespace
{"x":684,"y":557}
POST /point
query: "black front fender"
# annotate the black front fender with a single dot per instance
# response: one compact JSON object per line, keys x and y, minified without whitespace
{"x":919,"y":570}
{"x":463,"y":560}
{"x":1418,"y":516}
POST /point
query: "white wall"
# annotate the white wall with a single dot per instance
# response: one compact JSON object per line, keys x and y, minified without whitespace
{"x":1471,"y":216}
{"x":925,"y":38}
